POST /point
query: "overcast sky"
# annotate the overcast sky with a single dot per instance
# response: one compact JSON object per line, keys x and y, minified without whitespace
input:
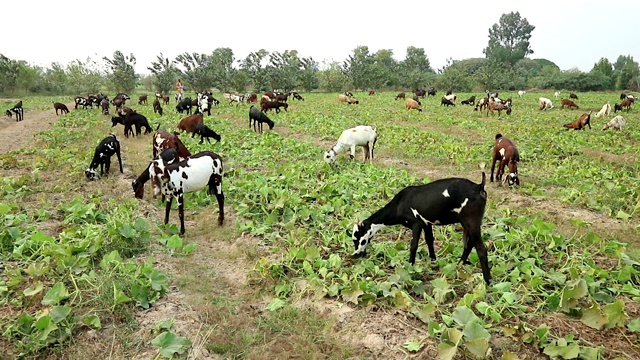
{"x":569,"y":33}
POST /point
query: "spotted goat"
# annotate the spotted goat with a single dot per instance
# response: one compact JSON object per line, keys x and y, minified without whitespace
{"x":201,"y":170}
{"x":441,"y":202}
{"x":506,"y":152}
{"x":102,"y":157}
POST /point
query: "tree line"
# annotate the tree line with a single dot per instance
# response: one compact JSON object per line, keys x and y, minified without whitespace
{"x":506,"y":66}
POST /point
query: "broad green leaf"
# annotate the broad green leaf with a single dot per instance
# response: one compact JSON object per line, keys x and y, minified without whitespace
{"x":593,"y":318}
{"x":424,"y":313}
{"x":572,"y":292}
{"x":413,"y":345}
{"x":589,"y":353}
{"x":446,"y":351}
{"x":615,"y":313}
{"x":473,"y":330}
{"x":622,"y":215}
{"x":352,"y":295}
{"x":275,"y":304}
{"x":571,"y":351}
{"x":46,"y":325}
{"x":509,"y":356}
{"x":59,"y":313}
{"x":174,"y":242}
{"x":34,"y":289}
{"x":127,"y":231}
{"x":56,"y":294}
{"x":93,"y":321}
{"x":634,"y":325}
{"x":478,"y":347}
{"x":118,"y":296}
{"x":170,"y":344}
{"x":464,"y":315}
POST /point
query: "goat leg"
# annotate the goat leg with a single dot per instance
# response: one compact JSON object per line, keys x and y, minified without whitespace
{"x":416,"y":230}
{"x":181,"y":213}
{"x":167,"y":209}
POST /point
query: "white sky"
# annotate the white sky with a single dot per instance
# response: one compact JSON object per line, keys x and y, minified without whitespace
{"x":569,"y":33}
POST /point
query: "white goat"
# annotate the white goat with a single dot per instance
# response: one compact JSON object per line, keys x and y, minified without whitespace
{"x":605,"y":111}
{"x":361,"y":135}
{"x":544,"y":103}
{"x":617,"y":123}
{"x":521,"y":92}
{"x":556,"y":94}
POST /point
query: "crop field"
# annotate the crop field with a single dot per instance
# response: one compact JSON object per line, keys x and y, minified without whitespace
{"x":88,"y":270}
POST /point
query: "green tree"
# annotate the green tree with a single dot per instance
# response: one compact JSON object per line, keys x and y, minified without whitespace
{"x":308,"y":77}
{"x":55,"y":79}
{"x":509,"y":39}
{"x":358,"y":67}
{"x":626,"y":72}
{"x":121,"y":71}
{"x":9,"y":71}
{"x":253,"y":66}
{"x":605,"y":69}
{"x":384,"y":70}
{"x":331,"y":77}
{"x":164,"y":74}
{"x":197,"y":71}
{"x":415,"y":70}
{"x":84,"y":77}
{"x":453,"y":77}
{"x":284,"y":70}
{"x":222,"y":68}
{"x":240,"y":81}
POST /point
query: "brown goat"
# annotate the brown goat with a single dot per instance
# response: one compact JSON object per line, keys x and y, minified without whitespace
{"x":62,"y":107}
{"x":626,"y":104}
{"x":164,"y":140}
{"x":580,"y":123}
{"x":568,"y":103}
{"x":142,"y":99}
{"x":268,"y":105}
{"x":499,"y":107}
{"x":573,"y":96}
{"x":411,"y":104}
{"x":372,"y":92}
{"x":190,"y":123}
{"x":400,"y":96}
{"x":507,"y":153}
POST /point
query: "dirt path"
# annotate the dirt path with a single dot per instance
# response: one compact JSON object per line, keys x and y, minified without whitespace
{"x":17,"y":135}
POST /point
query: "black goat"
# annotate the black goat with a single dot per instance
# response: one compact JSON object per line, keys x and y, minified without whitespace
{"x":205,"y":132}
{"x":442,"y":202}
{"x":102,"y":157}
{"x":446,"y":102}
{"x":470,"y":101}
{"x":257,"y":116}
{"x":156,"y":107}
{"x":184,"y":105}
{"x":18,"y":110}
{"x":130,"y":120}
{"x":432,"y":92}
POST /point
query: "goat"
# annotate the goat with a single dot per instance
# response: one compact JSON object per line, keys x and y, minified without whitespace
{"x":507,"y":153}
{"x":254,"y":98}
{"x":192,"y":174}
{"x":104,"y":105}
{"x":81,"y":101}
{"x":432,"y":92}
{"x":491,"y":95}
{"x":348,"y":99}
{"x":62,"y":107}
{"x":544,"y":104}
{"x":573,"y":96}
{"x":282,"y":97}
{"x":268,"y":105}
{"x":469,"y":101}
{"x":165,"y":100}
{"x":412,"y":104}
{"x":297,"y":96}
{"x":441,"y":202}
{"x":270,"y":95}
{"x":617,"y":123}
{"x":626,"y":104}
{"x":190,"y":123}
{"x":18,"y":110}
{"x":605,"y":110}
{"x":168,"y":155}
{"x":118,"y":103}
{"x":447,"y":102}
{"x":581,"y":123}
{"x":481,"y":104}
{"x":417,"y":99}
{"x":372,"y":92}
{"x":451,"y":97}
{"x":361,"y":135}
{"x":203,"y":103}
{"x":156,"y":107}
{"x":348,"y":94}
{"x":129,"y":120}
{"x":8,"y":113}
{"x":521,"y":93}
{"x":102,"y":157}
{"x":163,"y":140}
{"x":568,"y":103}
{"x":205,"y":132}
{"x":400,"y":96}
{"x":420,"y":92}
{"x":142,"y":99}
{"x":556,"y":94}
{"x":258,"y":117}
{"x":499,"y":107}
{"x":184,"y":106}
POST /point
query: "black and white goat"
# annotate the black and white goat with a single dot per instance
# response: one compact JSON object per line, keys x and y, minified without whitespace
{"x":18,"y":110}
{"x":168,"y":155}
{"x":361,"y":135}
{"x":102,"y":157}
{"x":258,"y":117}
{"x":195,"y":173}
{"x":419,"y":208}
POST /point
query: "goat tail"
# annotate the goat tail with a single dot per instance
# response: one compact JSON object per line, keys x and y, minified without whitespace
{"x":158,"y":127}
{"x":484,"y":180}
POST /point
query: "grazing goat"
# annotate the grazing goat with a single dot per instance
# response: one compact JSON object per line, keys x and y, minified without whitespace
{"x":8,"y":113}
{"x":544,"y":104}
{"x":507,"y":153}
{"x":469,"y":101}
{"x":205,"y":132}
{"x":556,"y":94}
{"x":417,"y":99}
{"x":432,"y":92}
{"x":451,"y":97}
{"x":164,"y":140}
{"x":296,"y":96}
{"x":268,"y":105}
{"x":446,"y":102}
{"x":102,"y":157}
{"x":258,"y":117}
{"x":626,"y":104}
{"x":400,"y":96}
{"x":81,"y":101}
{"x":62,"y":107}
{"x":169,"y":156}
{"x":348,"y":99}
{"x":412,"y":104}
{"x":604,"y":111}
{"x":254,"y":98}
{"x":581,"y":123}
{"x":570,"y":104}
{"x":521,"y":93}
{"x":573,"y":96}
{"x":481,"y":104}
{"x":419,"y":208}
{"x":130,"y":120}
{"x":372,"y":92}
{"x":104,"y":105}
{"x":184,"y":106}
{"x":617,"y":123}
{"x":201,"y":170}
{"x":142,"y":99}
{"x":282,"y":97}
{"x":420,"y":92}
{"x":361,"y":135}
{"x":156,"y":107}
{"x":18,"y":110}
{"x":499,"y":107}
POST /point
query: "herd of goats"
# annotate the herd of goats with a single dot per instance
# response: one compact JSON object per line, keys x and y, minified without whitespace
{"x":174,"y":171}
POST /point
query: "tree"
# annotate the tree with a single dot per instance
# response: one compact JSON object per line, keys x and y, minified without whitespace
{"x":509,"y":39}
{"x":308,"y":77}
{"x":604,"y":68}
{"x":252,"y":65}
{"x":84,"y":77}
{"x":626,"y":72}
{"x":196,"y":70}
{"x":222,"y":68}
{"x":284,"y":70}
{"x":357,"y":67}
{"x":331,"y":77}
{"x":384,"y":70}
{"x":415,"y":69}
{"x":121,"y":71}
{"x":165,"y":74}
{"x":240,"y":81}
{"x":9,"y":70}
